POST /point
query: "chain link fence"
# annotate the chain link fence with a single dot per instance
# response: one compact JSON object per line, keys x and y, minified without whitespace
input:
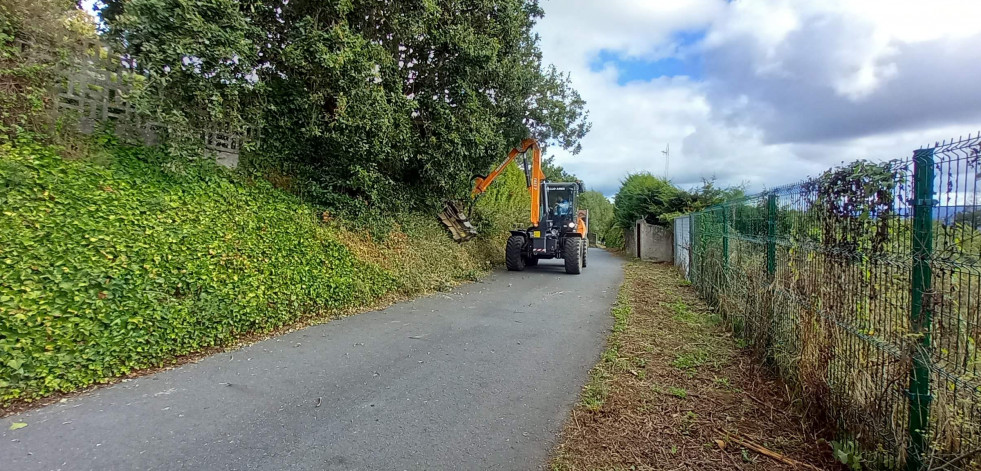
{"x":862,"y":289}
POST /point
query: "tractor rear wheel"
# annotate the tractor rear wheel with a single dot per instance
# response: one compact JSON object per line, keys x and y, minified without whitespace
{"x":572,"y":253}
{"x":513,"y":257}
{"x":585,"y":250}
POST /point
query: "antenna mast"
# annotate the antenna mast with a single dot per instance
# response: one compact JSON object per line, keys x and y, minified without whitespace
{"x":667,"y":156}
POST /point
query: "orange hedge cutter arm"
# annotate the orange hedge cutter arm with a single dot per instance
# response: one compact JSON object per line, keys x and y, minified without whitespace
{"x":534,"y":181}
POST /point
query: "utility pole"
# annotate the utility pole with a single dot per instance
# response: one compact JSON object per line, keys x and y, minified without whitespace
{"x":667,"y":156}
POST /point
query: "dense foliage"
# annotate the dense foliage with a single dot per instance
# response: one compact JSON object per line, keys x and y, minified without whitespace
{"x":505,"y":204}
{"x":36,"y":37}
{"x":115,"y":262}
{"x":362,"y":103}
{"x":600,"y":212}
{"x":645,"y":196}
{"x":657,"y":201}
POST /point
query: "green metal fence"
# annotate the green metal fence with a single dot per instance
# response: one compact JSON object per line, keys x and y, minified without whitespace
{"x":862,"y":289}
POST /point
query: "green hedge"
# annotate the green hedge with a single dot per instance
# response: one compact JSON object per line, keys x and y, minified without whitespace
{"x":114,"y":266}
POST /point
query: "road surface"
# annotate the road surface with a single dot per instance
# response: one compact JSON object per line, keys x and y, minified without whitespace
{"x":481,"y":377}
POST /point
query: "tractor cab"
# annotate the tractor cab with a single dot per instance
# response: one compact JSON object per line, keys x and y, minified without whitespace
{"x":559,"y":206}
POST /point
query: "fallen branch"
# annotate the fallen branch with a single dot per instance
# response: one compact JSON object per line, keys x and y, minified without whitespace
{"x":772,"y":454}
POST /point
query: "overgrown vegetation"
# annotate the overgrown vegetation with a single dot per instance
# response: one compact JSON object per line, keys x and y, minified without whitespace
{"x":36,"y":37}
{"x":116,"y":258}
{"x":656,"y":201}
{"x":816,"y":277}
{"x":122,"y":260}
{"x":364,"y":106}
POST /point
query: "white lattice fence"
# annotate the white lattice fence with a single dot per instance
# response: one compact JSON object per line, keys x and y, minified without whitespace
{"x":95,"y":90}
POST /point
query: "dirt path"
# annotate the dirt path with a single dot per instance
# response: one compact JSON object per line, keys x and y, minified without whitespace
{"x":675,"y":391}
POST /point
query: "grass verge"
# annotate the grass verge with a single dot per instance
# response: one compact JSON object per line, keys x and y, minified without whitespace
{"x":674,"y":391}
{"x":595,"y":392}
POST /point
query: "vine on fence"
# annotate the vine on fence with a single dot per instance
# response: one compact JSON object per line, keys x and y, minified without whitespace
{"x":861,"y":193}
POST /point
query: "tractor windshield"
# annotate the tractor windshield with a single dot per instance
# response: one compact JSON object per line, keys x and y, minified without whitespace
{"x":561,"y":203}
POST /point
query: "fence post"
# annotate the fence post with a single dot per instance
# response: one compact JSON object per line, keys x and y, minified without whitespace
{"x":725,"y":241}
{"x":771,"y":236}
{"x":921,"y":314}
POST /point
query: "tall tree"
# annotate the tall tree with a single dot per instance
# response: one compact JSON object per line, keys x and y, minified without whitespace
{"x":371,"y":101}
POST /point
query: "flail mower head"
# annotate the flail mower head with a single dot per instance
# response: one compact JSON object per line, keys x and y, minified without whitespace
{"x":455,"y":219}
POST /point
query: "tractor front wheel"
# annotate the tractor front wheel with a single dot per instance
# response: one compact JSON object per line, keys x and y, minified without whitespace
{"x":513,"y":257}
{"x":572,"y":253}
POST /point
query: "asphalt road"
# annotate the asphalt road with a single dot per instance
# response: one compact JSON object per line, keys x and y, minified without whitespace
{"x":481,"y":377}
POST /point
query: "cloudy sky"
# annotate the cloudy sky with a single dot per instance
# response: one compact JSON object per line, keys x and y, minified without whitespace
{"x":762,"y":92}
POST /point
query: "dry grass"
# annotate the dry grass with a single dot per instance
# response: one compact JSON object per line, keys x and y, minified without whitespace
{"x":674,"y":391}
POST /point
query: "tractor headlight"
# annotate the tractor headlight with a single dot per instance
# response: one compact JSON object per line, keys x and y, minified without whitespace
{"x":572,"y":224}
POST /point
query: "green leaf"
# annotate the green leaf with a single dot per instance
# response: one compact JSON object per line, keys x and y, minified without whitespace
{"x":18,"y":425}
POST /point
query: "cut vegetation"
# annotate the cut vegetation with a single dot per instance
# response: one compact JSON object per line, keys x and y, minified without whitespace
{"x":674,"y":391}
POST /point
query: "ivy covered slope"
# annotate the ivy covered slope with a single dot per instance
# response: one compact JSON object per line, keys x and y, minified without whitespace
{"x":116,"y":262}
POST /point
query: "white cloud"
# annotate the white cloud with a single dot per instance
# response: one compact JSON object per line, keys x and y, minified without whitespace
{"x":575,"y":30}
{"x":788,"y":87}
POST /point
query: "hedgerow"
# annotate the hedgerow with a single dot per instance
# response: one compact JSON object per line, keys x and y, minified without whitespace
{"x":122,"y":261}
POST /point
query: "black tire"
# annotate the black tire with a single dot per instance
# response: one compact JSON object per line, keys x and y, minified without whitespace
{"x":513,"y":257}
{"x":585,"y":250}
{"x":572,"y":253}
{"x":531,"y":262}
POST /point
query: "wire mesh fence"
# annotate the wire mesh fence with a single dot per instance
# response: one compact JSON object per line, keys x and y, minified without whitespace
{"x":862,"y":289}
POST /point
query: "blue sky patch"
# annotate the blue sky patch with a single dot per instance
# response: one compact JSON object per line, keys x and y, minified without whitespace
{"x":630,"y":69}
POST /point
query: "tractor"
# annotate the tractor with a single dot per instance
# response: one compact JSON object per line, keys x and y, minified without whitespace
{"x":558,"y":228}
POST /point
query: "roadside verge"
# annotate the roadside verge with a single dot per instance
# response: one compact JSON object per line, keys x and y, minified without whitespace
{"x":674,"y":390}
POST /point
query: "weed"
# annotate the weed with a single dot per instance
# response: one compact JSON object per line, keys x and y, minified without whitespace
{"x":684,"y":314}
{"x":687,"y":421}
{"x":848,"y":453}
{"x":679,"y":393}
{"x":691,"y":359}
{"x":596,"y":390}
{"x":723,"y":383}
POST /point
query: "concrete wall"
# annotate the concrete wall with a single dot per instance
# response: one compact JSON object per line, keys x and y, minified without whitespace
{"x":649,"y":242}
{"x":630,"y":241}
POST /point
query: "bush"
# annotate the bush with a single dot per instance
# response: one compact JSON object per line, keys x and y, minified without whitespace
{"x":657,"y":201}
{"x":644,"y":196}
{"x":112,"y":267}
